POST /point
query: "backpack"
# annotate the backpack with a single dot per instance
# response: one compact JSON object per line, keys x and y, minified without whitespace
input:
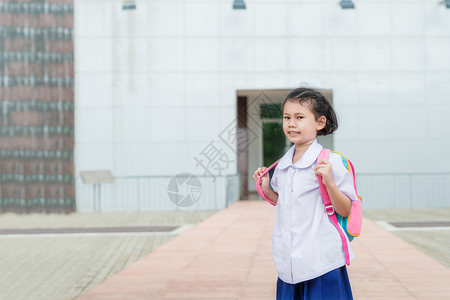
{"x":350,"y":225}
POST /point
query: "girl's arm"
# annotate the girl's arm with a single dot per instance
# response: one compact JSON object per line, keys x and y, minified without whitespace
{"x":341,"y":203}
{"x":271,"y":195}
{"x":265,"y":185}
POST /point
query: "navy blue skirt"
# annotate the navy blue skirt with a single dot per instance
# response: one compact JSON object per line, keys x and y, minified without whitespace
{"x":333,"y":285}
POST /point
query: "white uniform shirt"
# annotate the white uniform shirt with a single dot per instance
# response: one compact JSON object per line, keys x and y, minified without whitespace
{"x":305,"y":244}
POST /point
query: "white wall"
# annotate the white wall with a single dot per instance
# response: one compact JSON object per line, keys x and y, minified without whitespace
{"x":156,"y":85}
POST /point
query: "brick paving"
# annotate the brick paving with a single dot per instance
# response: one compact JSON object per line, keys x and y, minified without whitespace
{"x":60,"y":264}
{"x":228,"y":256}
{"x":435,"y":242}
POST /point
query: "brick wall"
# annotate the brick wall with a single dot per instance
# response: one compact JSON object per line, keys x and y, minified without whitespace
{"x":36,"y":106}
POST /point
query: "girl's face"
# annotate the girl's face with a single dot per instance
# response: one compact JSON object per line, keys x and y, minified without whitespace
{"x":299,"y":123}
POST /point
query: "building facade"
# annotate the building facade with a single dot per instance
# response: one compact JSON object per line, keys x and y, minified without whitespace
{"x":183,"y":87}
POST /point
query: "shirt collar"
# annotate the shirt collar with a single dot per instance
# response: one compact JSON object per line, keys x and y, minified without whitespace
{"x":308,"y":158}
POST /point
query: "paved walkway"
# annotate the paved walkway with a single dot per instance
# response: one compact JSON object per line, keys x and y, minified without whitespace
{"x":228,"y":256}
{"x":59,"y":257}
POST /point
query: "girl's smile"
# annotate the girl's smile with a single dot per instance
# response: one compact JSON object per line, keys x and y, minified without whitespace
{"x":293,"y":133}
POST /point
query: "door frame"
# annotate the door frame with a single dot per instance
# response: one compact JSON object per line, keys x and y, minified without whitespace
{"x":252,"y":121}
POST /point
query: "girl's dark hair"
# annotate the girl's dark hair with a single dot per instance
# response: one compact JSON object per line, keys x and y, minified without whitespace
{"x":319,"y":106}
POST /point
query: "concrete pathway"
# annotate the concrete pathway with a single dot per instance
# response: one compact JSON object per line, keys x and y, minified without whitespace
{"x":228,"y":256}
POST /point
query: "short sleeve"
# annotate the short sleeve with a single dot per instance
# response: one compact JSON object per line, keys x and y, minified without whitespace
{"x":274,"y":180}
{"x":342,"y":176}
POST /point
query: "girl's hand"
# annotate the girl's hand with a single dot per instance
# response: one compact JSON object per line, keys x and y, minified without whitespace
{"x":265,"y":180}
{"x":325,"y":170}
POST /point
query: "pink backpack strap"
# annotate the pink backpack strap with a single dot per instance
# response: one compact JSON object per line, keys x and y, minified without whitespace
{"x":323,"y":155}
{"x":258,"y":182}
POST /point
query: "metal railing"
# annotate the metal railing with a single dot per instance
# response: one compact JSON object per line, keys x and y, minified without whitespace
{"x":150,"y":193}
{"x":405,"y":191}
{"x":410,"y":190}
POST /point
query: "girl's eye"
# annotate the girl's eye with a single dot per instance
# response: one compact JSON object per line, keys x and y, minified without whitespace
{"x":286,"y":118}
{"x":299,"y":118}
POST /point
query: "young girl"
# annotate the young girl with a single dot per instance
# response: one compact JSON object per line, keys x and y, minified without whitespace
{"x":307,"y":249}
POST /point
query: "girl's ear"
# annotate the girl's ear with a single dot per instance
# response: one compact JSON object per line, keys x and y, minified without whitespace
{"x":321,"y":122}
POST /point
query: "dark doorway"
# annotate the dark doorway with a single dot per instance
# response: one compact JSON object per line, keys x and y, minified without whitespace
{"x":242,"y":147}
